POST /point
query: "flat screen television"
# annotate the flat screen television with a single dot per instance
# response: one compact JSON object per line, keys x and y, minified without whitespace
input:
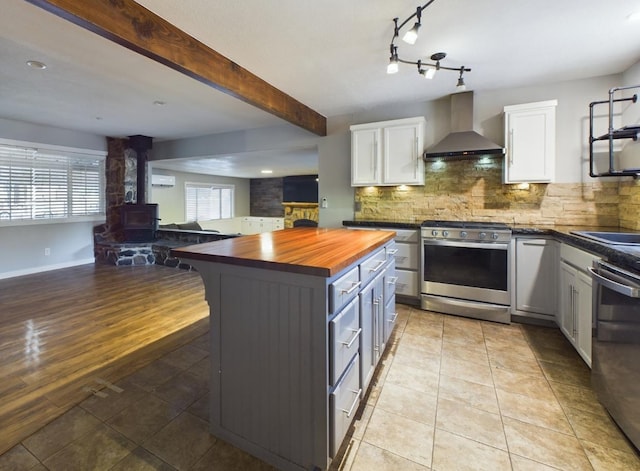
{"x":300,"y":189}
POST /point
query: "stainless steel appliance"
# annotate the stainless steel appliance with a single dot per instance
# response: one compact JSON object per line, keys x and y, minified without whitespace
{"x":615,"y":373}
{"x":465,"y":269}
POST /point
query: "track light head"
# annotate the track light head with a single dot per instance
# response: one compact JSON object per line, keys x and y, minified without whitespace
{"x":411,"y":35}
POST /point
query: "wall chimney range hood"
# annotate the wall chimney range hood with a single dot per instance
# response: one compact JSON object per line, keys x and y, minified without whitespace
{"x":463,"y":142}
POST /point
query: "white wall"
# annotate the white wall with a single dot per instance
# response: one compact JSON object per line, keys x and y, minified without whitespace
{"x":69,"y":243}
{"x":171,"y":202}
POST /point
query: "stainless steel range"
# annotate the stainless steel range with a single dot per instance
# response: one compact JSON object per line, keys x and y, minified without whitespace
{"x":465,"y":269}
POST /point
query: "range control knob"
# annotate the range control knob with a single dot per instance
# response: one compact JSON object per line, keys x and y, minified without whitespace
{"x":463,"y":234}
{"x":445,"y":233}
{"x":434,"y":233}
{"x":482,"y":235}
{"x":495,"y":236}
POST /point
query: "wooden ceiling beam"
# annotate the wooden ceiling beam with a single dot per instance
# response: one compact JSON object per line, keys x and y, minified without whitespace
{"x":129,"y":24}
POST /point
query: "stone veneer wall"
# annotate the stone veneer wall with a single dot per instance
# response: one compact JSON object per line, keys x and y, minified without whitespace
{"x":266,"y":197}
{"x":473,"y":190}
{"x":295,"y":211}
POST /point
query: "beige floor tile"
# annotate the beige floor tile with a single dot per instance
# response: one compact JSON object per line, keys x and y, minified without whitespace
{"x":494,"y":330}
{"x":429,"y":345}
{"x":53,"y":437}
{"x":565,"y":355}
{"x":608,"y":459}
{"x":427,"y":316}
{"x":425,"y":329}
{"x":349,"y":456}
{"x":452,"y":452}
{"x":106,"y":407}
{"x":409,"y":403}
{"x":524,"y":365}
{"x":144,"y":419}
{"x":370,"y":458}
{"x":544,"y":412}
{"x":419,"y":379}
{"x":466,"y":370}
{"x":361,"y":421}
{"x":509,"y":347}
{"x":400,"y":435}
{"x":153,"y":375}
{"x":519,"y":463}
{"x":577,"y":397}
{"x":473,"y":394}
{"x":225,"y":457}
{"x":182,"y":442}
{"x":200,"y":408}
{"x":417,"y":358}
{"x":18,"y":458}
{"x":580,"y":375}
{"x":141,"y":460}
{"x":101,"y":449}
{"x":597,"y":428}
{"x":475,"y":424}
{"x":546,"y":446}
{"x":202,"y":368}
{"x":544,"y":337}
{"x":519,"y":383}
{"x":182,"y":390}
{"x":473,"y":353}
{"x":185,"y":356}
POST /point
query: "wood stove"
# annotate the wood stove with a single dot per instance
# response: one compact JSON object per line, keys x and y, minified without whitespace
{"x":139,"y":222}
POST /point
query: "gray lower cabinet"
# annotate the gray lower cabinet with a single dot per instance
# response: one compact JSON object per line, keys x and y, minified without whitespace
{"x":292,"y":355}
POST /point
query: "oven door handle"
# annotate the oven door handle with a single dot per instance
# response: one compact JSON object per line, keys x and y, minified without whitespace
{"x":626,"y":290}
{"x":478,"y":245}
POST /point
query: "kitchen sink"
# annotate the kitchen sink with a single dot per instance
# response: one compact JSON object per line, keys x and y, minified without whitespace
{"x":615,"y":238}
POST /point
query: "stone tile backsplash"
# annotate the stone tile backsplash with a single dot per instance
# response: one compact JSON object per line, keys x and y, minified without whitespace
{"x":473,"y":190}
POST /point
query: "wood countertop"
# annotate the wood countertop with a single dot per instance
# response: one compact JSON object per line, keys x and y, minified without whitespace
{"x":308,"y":250}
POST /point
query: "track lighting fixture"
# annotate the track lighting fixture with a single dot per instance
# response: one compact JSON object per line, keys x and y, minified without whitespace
{"x":427,"y":70}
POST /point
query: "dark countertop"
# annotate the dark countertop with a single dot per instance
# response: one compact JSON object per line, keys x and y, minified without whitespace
{"x":624,"y":256}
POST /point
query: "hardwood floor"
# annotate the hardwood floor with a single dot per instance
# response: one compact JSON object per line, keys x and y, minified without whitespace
{"x":63,"y":332}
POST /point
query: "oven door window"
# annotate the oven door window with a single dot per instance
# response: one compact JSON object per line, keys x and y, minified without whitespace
{"x":466,"y":266}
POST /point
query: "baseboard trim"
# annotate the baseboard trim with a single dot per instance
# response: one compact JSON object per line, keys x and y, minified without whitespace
{"x":57,"y":266}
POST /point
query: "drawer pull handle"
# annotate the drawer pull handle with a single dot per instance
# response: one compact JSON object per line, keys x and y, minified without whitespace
{"x":354,"y":286}
{"x":393,"y":251}
{"x":355,"y":402}
{"x":378,"y":266}
{"x":353,"y":339}
{"x":395,"y":316}
{"x":392,"y":280}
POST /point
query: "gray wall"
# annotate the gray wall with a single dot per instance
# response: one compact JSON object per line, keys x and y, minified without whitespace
{"x":171,"y":203}
{"x":69,"y":243}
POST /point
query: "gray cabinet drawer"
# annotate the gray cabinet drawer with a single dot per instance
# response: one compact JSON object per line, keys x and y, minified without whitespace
{"x":372,"y":266}
{"x":344,"y":289}
{"x":343,"y":404}
{"x":407,"y":283}
{"x":407,"y":256}
{"x":344,"y":338}
{"x":390,"y":281}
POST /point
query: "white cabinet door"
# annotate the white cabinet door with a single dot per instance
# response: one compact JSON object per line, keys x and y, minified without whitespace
{"x":402,"y":157}
{"x":536,"y":276}
{"x":567,"y":321}
{"x":584,"y":316}
{"x":365,"y":157}
{"x":388,"y":153}
{"x":530,"y":142}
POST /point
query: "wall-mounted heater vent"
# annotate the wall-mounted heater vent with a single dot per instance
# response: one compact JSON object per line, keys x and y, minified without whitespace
{"x":163,"y":180}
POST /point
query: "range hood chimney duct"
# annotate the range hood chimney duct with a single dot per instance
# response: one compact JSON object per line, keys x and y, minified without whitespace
{"x":463,"y":142}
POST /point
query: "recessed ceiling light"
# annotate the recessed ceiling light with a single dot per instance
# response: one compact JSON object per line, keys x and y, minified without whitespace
{"x":37,"y":65}
{"x":159,"y":103}
{"x":266,"y":171}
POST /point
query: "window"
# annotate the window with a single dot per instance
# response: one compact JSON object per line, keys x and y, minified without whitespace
{"x":208,"y":201}
{"x":42,"y":184}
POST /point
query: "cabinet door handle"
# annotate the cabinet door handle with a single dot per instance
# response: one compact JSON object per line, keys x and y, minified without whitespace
{"x":392,"y":280}
{"x":393,"y":251}
{"x":415,"y":168}
{"x":375,"y":159}
{"x":510,"y":146}
{"x":355,"y":401}
{"x":378,"y":266}
{"x":395,"y":316}
{"x":354,"y":286}
{"x":353,"y":339}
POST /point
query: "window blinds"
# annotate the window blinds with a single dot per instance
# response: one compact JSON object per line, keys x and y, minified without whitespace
{"x":205,"y":202}
{"x":44,"y":184}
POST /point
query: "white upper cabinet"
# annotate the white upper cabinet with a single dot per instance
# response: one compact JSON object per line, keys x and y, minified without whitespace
{"x":388,"y":153}
{"x":530,"y":141}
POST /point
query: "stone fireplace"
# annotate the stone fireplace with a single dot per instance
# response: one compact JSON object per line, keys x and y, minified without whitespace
{"x":295,"y":211}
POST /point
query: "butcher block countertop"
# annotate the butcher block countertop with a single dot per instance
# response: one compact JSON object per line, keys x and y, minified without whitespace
{"x":307,"y":250}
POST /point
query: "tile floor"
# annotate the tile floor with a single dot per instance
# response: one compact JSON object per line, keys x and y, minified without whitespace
{"x":451,"y":394}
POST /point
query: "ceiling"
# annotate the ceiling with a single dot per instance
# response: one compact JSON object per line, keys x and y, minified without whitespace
{"x":331,"y":55}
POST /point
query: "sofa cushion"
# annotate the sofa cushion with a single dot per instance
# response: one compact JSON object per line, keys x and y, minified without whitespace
{"x":190,"y":226}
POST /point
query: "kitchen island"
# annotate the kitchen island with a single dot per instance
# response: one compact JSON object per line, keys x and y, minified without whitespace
{"x":298,"y":320}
